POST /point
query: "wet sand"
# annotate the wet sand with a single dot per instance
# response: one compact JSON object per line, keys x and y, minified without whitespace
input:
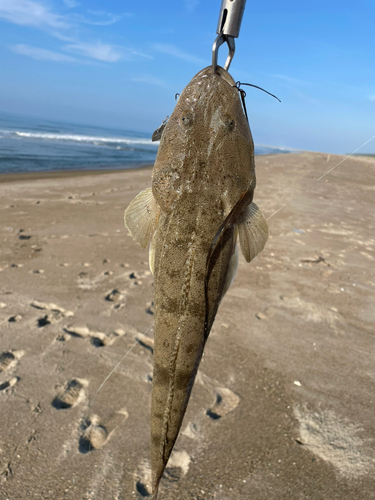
{"x":283,"y":406}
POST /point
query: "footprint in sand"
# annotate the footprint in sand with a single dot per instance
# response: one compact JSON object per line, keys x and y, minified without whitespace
{"x":335,"y":440}
{"x":177,"y":467}
{"x":143,"y":479}
{"x":225,"y":401}
{"x":44,"y":321}
{"x":150,"y":308}
{"x":135,"y":277}
{"x":8,"y":384}
{"x":191,"y":431}
{"x":98,"y":339}
{"x":70,"y":394}
{"x":15,"y":319}
{"x":97,"y":433}
{"x":265,"y":314}
{"x":114,"y":296}
{"x":145,"y":341}
{"x":51,"y":318}
{"x":8,"y":359}
{"x":104,"y":339}
{"x":44,"y":306}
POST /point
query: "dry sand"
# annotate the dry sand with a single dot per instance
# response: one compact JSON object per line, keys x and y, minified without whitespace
{"x":283,"y":405}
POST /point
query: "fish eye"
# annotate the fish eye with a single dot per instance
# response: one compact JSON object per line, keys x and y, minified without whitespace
{"x":229,"y":123}
{"x":186,"y":119}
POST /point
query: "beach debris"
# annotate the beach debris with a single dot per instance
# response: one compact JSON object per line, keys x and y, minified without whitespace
{"x":314,"y":260}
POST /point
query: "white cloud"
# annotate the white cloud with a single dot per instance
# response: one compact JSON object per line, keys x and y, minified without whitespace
{"x":41,"y":54}
{"x":106,"y":20}
{"x":103,"y":51}
{"x":151,"y":80}
{"x":371,"y":97}
{"x":191,"y":4}
{"x":294,"y":81}
{"x":174,"y":51}
{"x":66,"y":28}
{"x":29,"y":13}
{"x":98,"y":50}
{"x":103,"y":13}
{"x":71,"y":4}
{"x":32,"y":13}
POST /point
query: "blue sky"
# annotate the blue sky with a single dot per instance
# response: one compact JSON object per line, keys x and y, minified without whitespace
{"x":120,"y":63}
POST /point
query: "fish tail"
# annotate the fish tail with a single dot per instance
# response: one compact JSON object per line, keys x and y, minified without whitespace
{"x":155,"y":492}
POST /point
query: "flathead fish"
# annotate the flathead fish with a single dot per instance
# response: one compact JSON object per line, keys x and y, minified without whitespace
{"x":200,"y":203}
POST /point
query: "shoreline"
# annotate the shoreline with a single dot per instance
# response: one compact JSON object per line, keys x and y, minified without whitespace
{"x":63,"y":174}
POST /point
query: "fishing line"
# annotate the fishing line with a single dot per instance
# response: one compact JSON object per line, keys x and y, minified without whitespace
{"x":330,"y":170}
{"x":238,"y":85}
{"x":115,"y":368}
{"x":277,"y":211}
{"x":243,"y":94}
{"x":346,"y":157}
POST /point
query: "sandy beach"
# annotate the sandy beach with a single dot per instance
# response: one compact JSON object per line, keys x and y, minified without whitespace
{"x":284,"y":402}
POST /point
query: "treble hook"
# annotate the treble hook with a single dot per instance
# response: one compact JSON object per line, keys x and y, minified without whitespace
{"x":228,"y":28}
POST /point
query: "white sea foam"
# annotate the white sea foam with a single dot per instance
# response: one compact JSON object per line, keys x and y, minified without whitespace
{"x":81,"y":138}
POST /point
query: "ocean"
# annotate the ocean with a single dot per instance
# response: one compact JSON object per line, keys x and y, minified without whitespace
{"x":29,"y":144}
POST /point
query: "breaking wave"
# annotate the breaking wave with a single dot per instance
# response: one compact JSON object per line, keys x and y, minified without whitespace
{"x":88,"y":139}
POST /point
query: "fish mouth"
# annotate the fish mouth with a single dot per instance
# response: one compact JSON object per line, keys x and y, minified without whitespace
{"x":225,"y":75}
{"x":221,"y":72}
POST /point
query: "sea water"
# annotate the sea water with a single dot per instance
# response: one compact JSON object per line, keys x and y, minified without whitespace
{"x":29,"y":144}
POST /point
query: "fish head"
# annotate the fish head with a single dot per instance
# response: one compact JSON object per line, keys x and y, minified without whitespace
{"x":208,"y":128}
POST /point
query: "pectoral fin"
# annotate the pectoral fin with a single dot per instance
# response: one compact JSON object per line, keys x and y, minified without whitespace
{"x":151,"y":254}
{"x":232,"y":269}
{"x":141,"y":217}
{"x":253,"y":232}
{"x":156,"y":136}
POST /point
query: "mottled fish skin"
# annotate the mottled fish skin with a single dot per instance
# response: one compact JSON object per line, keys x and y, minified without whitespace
{"x":203,"y":183}
{"x":204,"y":164}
